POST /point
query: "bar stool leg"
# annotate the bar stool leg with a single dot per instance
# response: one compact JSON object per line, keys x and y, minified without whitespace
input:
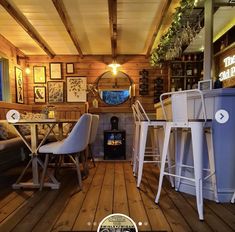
{"x":136,"y":150}
{"x":233,"y":198}
{"x":210,"y":148}
{"x":163,"y":162}
{"x":142,"y":146}
{"x":197,"y":145}
{"x":154,"y":142}
{"x":179,"y":162}
{"x":169,"y":164}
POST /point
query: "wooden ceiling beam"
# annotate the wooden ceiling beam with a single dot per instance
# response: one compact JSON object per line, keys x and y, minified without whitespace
{"x":27,"y":26}
{"x":59,"y":5}
{"x":158,"y":23}
{"x":112,"y":4}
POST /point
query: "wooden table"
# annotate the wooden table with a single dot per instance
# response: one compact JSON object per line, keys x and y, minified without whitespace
{"x":34,"y":147}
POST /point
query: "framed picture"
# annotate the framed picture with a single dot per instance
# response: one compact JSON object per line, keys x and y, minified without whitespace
{"x":205,"y":85}
{"x":55,"y":91}
{"x":69,"y":68}
{"x":19,"y":85}
{"x":56,"y":71}
{"x":39,"y":74}
{"x":39,"y":94}
{"x":76,"y":89}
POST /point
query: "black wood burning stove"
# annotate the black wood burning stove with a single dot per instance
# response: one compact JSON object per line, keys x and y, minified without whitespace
{"x":114,"y":142}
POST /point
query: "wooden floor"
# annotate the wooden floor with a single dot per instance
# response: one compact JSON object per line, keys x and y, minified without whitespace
{"x":110,"y":188}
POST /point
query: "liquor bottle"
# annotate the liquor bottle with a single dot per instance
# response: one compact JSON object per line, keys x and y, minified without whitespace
{"x":189,"y":69}
{"x":195,"y":71}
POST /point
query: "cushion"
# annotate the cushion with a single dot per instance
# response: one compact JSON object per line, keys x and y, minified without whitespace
{"x":25,"y":129}
{"x":7,"y":131}
{"x":51,"y":147}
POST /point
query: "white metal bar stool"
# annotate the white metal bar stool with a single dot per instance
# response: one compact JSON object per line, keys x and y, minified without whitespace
{"x":181,"y":119}
{"x":143,"y":123}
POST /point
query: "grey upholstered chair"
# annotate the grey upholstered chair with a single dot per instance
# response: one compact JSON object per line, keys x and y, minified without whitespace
{"x":76,"y":142}
{"x":94,"y":129}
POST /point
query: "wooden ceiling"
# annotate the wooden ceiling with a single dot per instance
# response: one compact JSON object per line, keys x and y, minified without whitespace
{"x":84,"y":27}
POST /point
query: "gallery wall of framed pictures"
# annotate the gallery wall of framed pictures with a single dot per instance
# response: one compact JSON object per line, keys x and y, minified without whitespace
{"x":50,"y":85}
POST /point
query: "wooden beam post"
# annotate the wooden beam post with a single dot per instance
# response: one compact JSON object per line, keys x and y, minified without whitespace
{"x":27,"y":26}
{"x":59,"y":5}
{"x":208,"y":42}
{"x":113,"y":25}
{"x":158,"y":24}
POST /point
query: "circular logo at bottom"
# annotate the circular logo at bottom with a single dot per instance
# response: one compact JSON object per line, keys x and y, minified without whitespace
{"x":117,"y":223}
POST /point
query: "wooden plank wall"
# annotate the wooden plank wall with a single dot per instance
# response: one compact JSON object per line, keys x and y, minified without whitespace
{"x":92,"y":67}
{"x":5,"y":107}
{"x":64,"y":111}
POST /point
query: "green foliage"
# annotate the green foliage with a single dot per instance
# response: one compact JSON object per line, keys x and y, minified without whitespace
{"x":158,"y":54}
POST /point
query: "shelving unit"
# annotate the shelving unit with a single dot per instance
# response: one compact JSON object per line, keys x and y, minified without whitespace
{"x":185,"y":74}
{"x":143,"y":82}
{"x":158,"y":88}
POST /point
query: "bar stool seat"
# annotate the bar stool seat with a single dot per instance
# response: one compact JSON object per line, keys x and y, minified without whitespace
{"x":180,"y":119}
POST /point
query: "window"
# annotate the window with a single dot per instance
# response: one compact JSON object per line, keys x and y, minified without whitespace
{"x":4,"y":81}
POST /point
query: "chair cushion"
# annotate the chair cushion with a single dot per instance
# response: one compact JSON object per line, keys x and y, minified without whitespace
{"x":51,"y":147}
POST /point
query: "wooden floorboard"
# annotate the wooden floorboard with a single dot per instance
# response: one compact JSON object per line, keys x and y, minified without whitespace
{"x":67,"y":218}
{"x":120,"y":204}
{"x":136,"y":205}
{"x":105,"y":203}
{"x":170,"y":211}
{"x":156,"y":217}
{"x":86,"y":216}
{"x":109,"y":188}
{"x":213,"y":221}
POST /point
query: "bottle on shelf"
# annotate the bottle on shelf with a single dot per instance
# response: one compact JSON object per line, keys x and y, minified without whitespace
{"x":195,"y":70}
{"x":189,"y":69}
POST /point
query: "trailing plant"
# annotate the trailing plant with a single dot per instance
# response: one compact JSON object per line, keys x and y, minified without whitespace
{"x":167,"y":40}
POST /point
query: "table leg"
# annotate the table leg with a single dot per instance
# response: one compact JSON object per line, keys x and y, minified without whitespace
{"x":34,"y":161}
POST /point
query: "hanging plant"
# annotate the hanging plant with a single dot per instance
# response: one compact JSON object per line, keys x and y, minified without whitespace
{"x":158,"y":54}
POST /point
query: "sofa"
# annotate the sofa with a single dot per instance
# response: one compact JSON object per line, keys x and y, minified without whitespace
{"x":12,"y":148}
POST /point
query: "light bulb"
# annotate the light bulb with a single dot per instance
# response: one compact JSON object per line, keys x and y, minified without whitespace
{"x":27,"y":70}
{"x":114,"y":67}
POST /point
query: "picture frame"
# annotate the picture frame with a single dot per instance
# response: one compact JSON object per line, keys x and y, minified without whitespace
{"x":39,"y":74}
{"x":55,"y":71}
{"x":205,"y":85}
{"x":19,"y":85}
{"x":55,"y":91}
{"x":76,"y":89}
{"x":39,"y":94}
{"x":69,"y":68}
